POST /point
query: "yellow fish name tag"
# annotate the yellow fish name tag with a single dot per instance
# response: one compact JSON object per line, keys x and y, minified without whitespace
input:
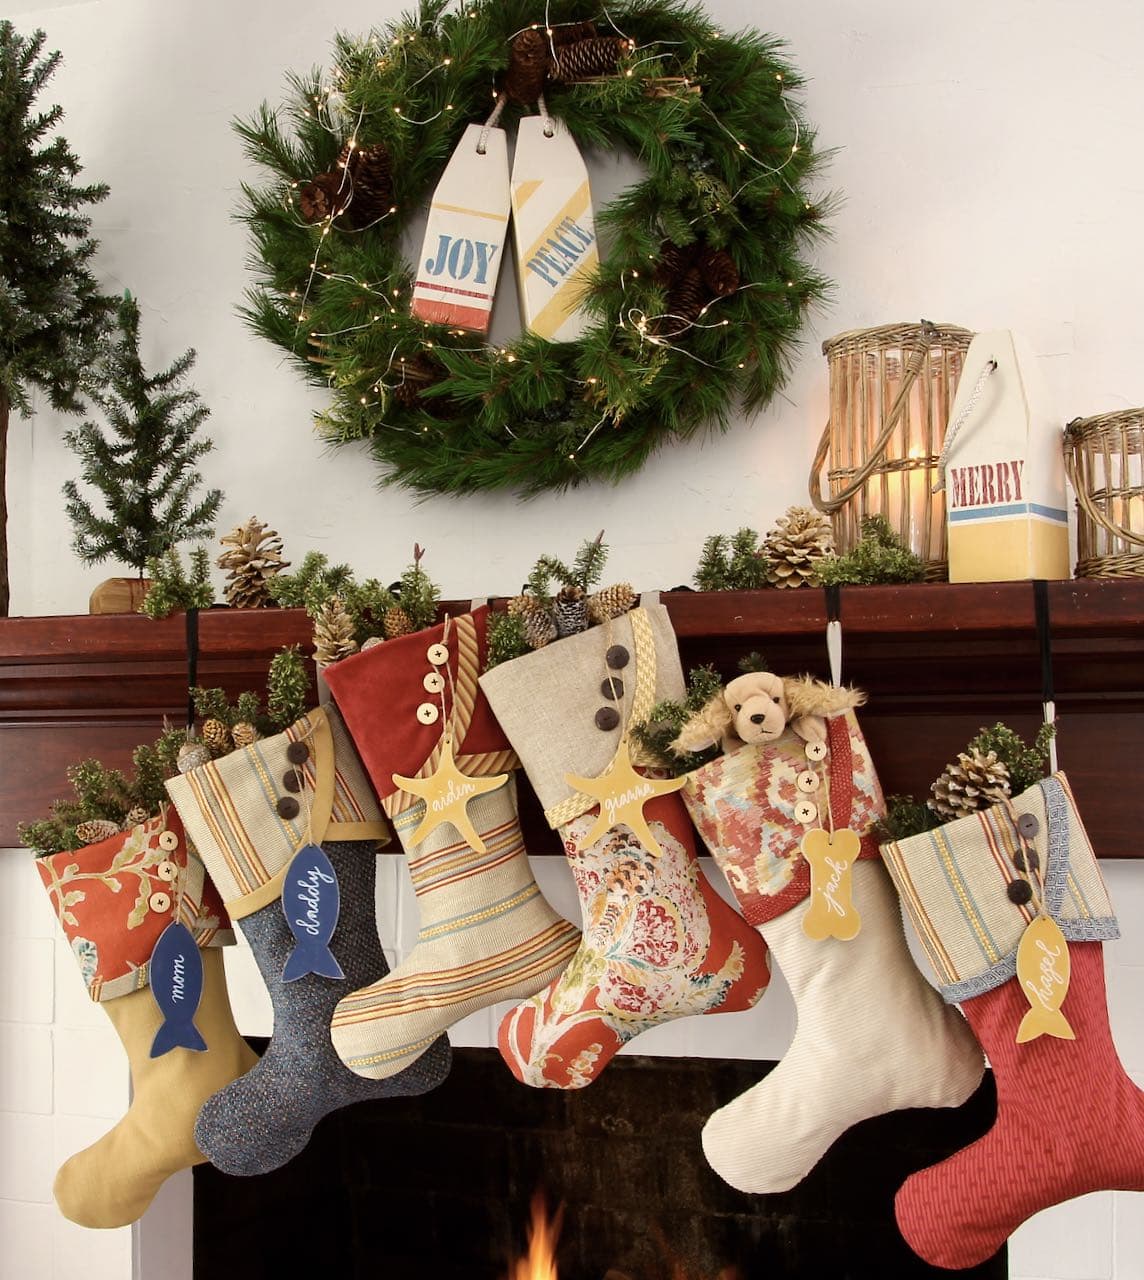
{"x":622,"y":794}
{"x":1043,"y":970}
{"x":831,"y":858}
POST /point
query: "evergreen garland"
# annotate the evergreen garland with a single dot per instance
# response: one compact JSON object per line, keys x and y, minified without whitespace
{"x":52,"y":313}
{"x":879,"y":556}
{"x":728,"y":159}
{"x":145,"y":470}
{"x":667,"y":718}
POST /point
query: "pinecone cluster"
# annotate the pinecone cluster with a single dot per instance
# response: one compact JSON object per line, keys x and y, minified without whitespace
{"x":975,"y":780}
{"x":571,"y":611}
{"x":694,"y":277}
{"x":796,"y":546}
{"x":575,"y":51}
{"x":134,"y":817}
{"x":358,"y":189}
{"x":253,"y":556}
{"x":333,"y":632}
{"x":95,"y":830}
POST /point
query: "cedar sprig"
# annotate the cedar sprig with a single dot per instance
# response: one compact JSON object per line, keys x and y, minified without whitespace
{"x":585,"y":572}
{"x":506,"y":639}
{"x":878,"y":556}
{"x":417,"y":594}
{"x":287,"y":686}
{"x":312,"y":584}
{"x":732,"y":563}
{"x":663,"y":724}
{"x":175,"y":590}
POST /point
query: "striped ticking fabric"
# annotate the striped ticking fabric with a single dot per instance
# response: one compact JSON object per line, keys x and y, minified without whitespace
{"x":953,"y":882}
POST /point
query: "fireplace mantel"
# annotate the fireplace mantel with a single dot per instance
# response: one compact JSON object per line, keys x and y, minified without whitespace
{"x":938,"y":660}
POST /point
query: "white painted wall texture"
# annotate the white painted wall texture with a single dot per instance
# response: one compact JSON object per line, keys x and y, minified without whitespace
{"x":985,"y":155}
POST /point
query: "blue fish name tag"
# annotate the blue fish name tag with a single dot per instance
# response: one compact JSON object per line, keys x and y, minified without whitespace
{"x":311,"y":901}
{"x":176,"y":972}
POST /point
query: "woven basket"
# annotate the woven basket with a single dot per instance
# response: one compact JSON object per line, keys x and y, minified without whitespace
{"x":891,"y":389}
{"x":1104,"y":461}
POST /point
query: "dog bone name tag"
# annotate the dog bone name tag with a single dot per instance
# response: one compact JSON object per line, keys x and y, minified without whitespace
{"x":832,"y":912}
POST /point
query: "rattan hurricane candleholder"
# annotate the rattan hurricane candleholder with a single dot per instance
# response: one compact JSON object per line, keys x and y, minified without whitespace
{"x":1104,"y":462}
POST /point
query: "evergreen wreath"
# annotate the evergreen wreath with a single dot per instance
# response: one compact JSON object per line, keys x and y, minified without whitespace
{"x":700,"y":294}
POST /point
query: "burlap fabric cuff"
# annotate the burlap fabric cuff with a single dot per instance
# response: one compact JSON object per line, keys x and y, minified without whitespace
{"x":113,"y":900}
{"x":954,"y":883}
{"x":743,"y":804}
{"x":231,"y":807}
{"x":547,"y":701}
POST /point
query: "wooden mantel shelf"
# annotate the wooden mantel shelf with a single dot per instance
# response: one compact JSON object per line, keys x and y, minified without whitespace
{"x":938,"y":661}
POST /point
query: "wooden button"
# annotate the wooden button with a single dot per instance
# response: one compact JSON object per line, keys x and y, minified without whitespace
{"x":617,"y":657}
{"x":427,"y":713}
{"x":292,"y":780}
{"x":166,"y":871}
{"x":815,"y":750}
{"x":434,"y":682}
{"x":805,"y":812}
{"x":807,"y":782}
{"x":1026,"y":860}
{"x":1019,"y":892}
{"x":607,"y":718}
{"x":159,"y":901}
{"x":297,"y":753}
{"x":168,"y":841}
{"x":612,"y":687}
{"x":437,"y":654}
{"x":1028,"y":825}
{"x":287,"y":807}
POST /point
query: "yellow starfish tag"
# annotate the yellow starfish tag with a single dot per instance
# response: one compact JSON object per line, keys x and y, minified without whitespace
{"x":447,"y":792}
{"x":622,"y":794}
{"x":1043,"y":970}
{"x":831,"y":858}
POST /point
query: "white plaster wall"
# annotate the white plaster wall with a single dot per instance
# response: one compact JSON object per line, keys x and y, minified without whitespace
{"x":986,"y":155}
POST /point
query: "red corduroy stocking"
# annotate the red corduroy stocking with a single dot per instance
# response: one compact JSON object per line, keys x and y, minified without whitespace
{"x":1069,"y":1121}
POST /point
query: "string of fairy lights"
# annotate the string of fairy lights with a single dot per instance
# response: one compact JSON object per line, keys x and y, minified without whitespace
{"x":329,"y":111}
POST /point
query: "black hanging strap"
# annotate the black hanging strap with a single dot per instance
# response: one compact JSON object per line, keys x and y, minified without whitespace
{"x":833,"y":602}
{"x":1044,"y":637}
{"x":192,"y":663}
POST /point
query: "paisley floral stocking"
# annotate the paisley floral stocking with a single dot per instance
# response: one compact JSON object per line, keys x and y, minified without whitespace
{"x":658,"y":944}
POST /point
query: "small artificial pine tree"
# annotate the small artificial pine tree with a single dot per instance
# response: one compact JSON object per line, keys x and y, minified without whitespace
{"x":146,"y":471}
{"x":52,"y":313}
{"x":172,"y":589}
{"x":287,"y":686}
{"x":735,"y":563}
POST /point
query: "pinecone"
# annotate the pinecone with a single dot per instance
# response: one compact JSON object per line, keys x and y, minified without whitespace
{"x":536,"y":617}
{"x":673,"y":262}
{"x":973,"y":781}
{"x":369,"y":191}
{"x":371,"y":642}
{"x":95,"y":830}
{"x":216,"y":736}
{"x":583,"y":59}
{"x":795,"y":546}
{"x":686,"y":299}
{"x":333,"y":633}
{"x":571,"y":611}
{"x":527,"y":66}
{"x":573,"y":32}
{"x":244,"y":734}
{"x":253,"y":557}
{"x":192,"y":755}
{"x":719,"y":272}
{"x":396,"y":622}
{"x":321,"y":197}
{"x":612,"y":602}
{"x":134,"y":817}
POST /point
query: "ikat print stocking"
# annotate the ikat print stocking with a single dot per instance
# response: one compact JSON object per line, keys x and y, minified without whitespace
{"x":249,"y":813}
{"x":1069,"y":1121}
{"x":486,"y":933}
{"x":659,"y":943}
{"x":872,"y":1035}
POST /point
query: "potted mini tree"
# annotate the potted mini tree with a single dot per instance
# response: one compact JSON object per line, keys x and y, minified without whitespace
{"x":144,"y":468}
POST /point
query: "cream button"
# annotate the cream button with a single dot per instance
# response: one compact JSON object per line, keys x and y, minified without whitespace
{"x":168,"y":841}
{"x":807,"y":782}
{"x":159,"y":902}
{"x":805,"y":812}
{"x":434,"y":682}
{"x":437,"y":654}
{"x":816,"y":750}
{"x":427,"y":713}
{"x":167,"y":871}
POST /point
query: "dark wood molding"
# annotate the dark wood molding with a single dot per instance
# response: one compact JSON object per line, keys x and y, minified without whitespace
{"x":938,"y":660}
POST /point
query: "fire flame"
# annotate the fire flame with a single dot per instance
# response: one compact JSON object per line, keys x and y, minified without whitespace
{"x":540,"y":1263}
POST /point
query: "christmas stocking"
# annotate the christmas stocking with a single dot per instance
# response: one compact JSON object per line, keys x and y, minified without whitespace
{"x":872,"y":1035}
{"x":438,"y":760}
{"x":1011,"y":909}
{"x":659,"y":943}
{"x":249,"y":813}
{"x":114,"y":901}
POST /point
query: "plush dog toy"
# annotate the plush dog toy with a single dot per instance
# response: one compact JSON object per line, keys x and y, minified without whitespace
{"x":758,"y":706}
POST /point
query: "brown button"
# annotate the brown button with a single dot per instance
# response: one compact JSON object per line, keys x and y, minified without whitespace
{"x":805,"y":812}
{"x":815,"y":750}
{"x":612,"y":687}
{"x":297,"y":753}
{"x":167,"y":870}
{"x":159,"y":902}
{"x":617,"y":657}
{"x":437,"y":654}
{"x":168,"y":841}
{"x":607,"y":718}
{"x":434,"y":682}
{"x":807,"y":782}
{"x":287,"y":807}
{"x":292,"y":780}
{"x":427,"y":713}
{"x":1026,"y":860}
{"x":1019,"y":892}
{"x":1028,"y":825}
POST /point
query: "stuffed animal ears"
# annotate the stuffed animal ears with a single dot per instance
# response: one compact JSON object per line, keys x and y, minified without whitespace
{"x":705,"y":727}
